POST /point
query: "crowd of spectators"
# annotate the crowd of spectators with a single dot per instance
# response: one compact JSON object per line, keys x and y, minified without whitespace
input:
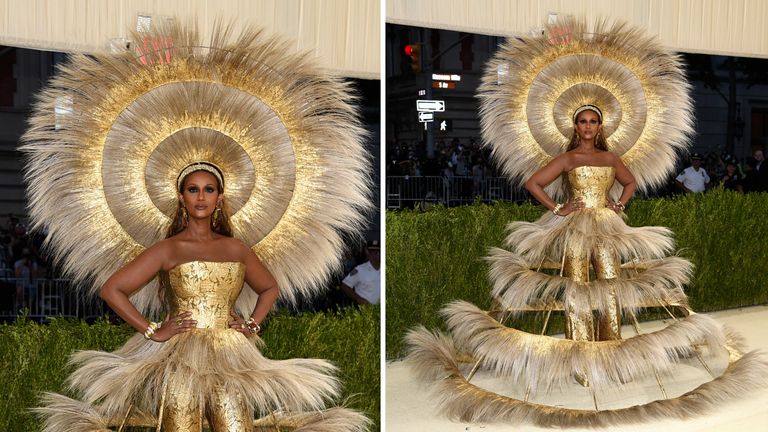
{"x":454,"y":158}
{"x":467,"y":158}
{"x":20,"y":262}
{"x":725,"y":170}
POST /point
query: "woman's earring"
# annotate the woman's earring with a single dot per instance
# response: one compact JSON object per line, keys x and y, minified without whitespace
{"x":184,"y":216}
{"x":216,"y":217}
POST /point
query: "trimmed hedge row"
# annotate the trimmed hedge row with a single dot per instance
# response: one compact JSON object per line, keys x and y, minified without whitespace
{"x":33,"y":357}
{"x":436,"y":256}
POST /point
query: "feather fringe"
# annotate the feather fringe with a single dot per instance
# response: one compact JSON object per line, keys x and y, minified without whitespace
{"x":432,"y":357}
{"x":65,"y":414}
{"x":518,"y":288}
{"x":200,"y":361}
{"x":545,"y":363}
{"x":547,"y":238}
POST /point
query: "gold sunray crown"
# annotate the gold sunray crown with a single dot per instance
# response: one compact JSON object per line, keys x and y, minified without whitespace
{"x":111,"y":133}
{"x":533,"y":85}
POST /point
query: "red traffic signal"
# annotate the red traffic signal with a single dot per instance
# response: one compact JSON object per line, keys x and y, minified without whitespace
{"x":414,"y":52}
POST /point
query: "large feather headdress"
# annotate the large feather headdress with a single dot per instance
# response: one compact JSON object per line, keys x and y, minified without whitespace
{"x":111,"y":132}
{"x":533,"y":85}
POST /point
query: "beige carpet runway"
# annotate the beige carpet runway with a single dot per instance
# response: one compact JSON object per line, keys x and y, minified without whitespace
{"x":409,"y":407}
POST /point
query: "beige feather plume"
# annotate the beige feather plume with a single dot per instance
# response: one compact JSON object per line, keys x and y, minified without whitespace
{"x":432,"y":358}
{"x":533,"y":85}
{"x":544,"y":363}
{"x":111,"y":132}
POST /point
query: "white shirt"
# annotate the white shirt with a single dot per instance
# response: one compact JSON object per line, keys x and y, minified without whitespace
{"x":366,"y":282}
{"x":694,"y":180}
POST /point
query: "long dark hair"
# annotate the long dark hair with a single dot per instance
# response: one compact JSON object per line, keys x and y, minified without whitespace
{"x":221,"y":226}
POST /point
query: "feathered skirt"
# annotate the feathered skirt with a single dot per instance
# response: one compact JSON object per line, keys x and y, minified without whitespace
{"x":560,"y":264}
{"x":135,"y":385}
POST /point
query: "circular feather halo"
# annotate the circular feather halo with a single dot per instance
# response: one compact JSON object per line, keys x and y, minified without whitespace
{"x":533,"y":85}
{"x":111,"y":132}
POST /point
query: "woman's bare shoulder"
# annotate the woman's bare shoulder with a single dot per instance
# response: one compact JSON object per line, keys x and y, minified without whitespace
{"x":161,"y":251}
{"x":236,"y":245}
{"x":563,"y":160}
{"x":612,"y":157}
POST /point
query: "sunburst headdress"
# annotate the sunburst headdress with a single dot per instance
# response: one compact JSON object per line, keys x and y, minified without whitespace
{"x":533,"y":86}
{"x":113,"y":132}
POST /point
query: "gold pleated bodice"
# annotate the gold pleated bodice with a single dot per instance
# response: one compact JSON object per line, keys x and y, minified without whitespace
{"x":592,"y":184}
{"x":207,"y":289}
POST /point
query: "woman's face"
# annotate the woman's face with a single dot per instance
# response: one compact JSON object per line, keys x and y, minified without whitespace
{"x":200,"y":194}
{"x":731,"y":169}
{"x":587,"y":125}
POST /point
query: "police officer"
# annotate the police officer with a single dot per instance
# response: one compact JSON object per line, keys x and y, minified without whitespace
{"x":363,"y":283}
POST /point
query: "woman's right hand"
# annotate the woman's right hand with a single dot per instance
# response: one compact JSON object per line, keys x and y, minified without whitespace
{"x":571,"y":206}
{"x":174,"y":325}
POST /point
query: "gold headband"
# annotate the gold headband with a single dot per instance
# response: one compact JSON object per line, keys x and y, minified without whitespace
{"x":200,"y":166}
{"x":583,"y":108}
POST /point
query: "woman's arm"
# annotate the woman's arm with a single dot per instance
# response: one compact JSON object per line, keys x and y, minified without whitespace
{"x":546,"y":175}
{"x":134,"y":275}
{"x":625,"y":178}
{"x":262,"y":282}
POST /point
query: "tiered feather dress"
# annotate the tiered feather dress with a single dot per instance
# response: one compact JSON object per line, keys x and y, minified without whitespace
{"x":599,"y":272}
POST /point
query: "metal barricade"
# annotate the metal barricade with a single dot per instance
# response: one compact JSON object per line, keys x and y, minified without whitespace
{"x":408,"y":192}
{"x":40,"y":298}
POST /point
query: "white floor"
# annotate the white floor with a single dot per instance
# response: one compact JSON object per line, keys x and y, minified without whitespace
{"x":409,"y":407}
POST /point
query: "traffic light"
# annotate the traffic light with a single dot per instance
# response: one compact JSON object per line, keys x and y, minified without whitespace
{"x":414,"y":52}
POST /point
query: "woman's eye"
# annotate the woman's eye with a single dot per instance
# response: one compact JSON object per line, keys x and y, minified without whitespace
{"x":192,"y":190}
{"x":209,"y":189}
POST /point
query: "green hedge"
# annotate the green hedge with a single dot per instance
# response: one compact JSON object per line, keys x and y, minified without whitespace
{"x":33,"y":357}
{"x":436,"y":256}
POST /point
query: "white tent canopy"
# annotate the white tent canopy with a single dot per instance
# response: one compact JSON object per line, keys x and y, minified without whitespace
{"x":343,"y":34}
{"x":723,"y":27}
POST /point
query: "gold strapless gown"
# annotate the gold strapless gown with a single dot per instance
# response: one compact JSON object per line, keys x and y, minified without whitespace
{"x":212,"y":373}
{"x":599,"y":272}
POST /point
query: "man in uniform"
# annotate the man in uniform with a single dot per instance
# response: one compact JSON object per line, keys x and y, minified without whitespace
{"x":694,"y":178}
{"x":363,"y":283}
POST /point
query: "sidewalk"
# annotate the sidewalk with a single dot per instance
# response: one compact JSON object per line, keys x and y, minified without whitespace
{"x":410,"y":409}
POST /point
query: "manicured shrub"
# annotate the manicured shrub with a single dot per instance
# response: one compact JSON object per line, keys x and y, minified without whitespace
{"x":33,"y":357}
{"x":436,"y":256}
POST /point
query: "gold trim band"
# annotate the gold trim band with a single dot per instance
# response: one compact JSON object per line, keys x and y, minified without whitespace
{"x":588,"y":107}
{"x":200,"y":166}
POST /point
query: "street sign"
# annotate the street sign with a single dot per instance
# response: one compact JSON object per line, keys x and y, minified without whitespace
{"x":430,"y":105}
{"x":426,"y":116}
{"x":422,"y":92}
{"x":444,"y":125}
{"x":443,"y":85}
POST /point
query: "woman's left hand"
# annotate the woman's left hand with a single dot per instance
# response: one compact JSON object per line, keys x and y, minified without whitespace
{"x":615,"y":206}
{"x":238,"y":323}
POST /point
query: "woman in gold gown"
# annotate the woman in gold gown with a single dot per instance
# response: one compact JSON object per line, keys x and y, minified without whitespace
{"x":180,"y":167}
{"x":202,"y":361}
{"x":590,"y":170}
{"x":576,"y":113}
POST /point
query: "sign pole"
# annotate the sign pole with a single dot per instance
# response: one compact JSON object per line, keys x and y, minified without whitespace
{"x":427,"y":70}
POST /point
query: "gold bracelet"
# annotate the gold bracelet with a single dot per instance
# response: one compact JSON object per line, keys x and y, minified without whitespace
{"x":252,"y":326}
{"x":557,"y":209}
{"x":151,"y":329}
